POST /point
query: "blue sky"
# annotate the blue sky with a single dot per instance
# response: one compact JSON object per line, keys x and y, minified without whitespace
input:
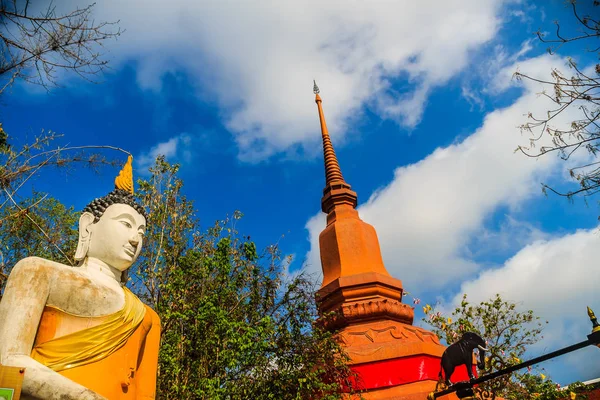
{"x":423,"y":114}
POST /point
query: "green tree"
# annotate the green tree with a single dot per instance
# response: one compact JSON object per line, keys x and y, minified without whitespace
{"x":576,"y":90}
{"x":3,"y":140}
{"x":535,"y":386}
{"x":234,"y":326}
{"x":50,"y":233}
{"x":508,"y":333}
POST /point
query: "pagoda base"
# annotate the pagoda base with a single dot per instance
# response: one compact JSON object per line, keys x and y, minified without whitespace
{"x":394,"y":360}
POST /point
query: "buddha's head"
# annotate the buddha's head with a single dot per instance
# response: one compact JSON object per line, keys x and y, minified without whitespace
{"x":111,"y":228}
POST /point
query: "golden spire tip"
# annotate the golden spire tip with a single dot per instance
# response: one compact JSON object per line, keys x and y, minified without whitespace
{"x":595,"y":324}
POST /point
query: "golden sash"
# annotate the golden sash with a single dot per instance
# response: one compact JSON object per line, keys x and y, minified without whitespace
{"x":95,"y":343}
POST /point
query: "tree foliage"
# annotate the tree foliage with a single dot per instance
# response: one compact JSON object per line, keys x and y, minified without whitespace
{"x":537,"y":386}
{"x":233,"y":326}
{"x":576,"y":90}
{"x":49,"y":233}
{"x":35,"y":45}
{"x":508,"y":333}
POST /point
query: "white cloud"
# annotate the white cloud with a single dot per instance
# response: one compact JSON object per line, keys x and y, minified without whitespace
{"x":259,"y":58}
{"x":564,"y":267}
{"x":511,"y":235}
{"x":473,"y":98}
{"x":312,"y":261}
{"x":489,"y":76}
{"x":427,"y":216}
{"x":176,"y":150}
{"x":557,"y":279}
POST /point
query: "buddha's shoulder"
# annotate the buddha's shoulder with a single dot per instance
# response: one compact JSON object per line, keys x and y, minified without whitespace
{"x":40,"y":265}
{"x":153,"y":314}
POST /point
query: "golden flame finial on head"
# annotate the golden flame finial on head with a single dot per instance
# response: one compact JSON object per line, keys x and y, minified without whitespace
{"x":125,"y":179}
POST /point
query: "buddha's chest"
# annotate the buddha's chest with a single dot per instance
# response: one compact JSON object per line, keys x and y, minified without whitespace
{"x":80,"y":296}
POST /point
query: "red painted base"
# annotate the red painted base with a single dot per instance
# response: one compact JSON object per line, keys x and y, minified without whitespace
{"x":401,"y":371}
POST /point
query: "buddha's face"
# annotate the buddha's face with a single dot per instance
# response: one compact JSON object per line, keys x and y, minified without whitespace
{"x":116,"y":238}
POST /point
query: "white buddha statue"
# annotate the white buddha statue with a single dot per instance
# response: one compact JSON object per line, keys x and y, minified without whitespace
{"x":77,"y":331}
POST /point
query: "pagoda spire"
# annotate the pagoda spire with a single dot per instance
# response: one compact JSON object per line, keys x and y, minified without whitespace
{"x":333,"y":173}
{"x":336,"y":191}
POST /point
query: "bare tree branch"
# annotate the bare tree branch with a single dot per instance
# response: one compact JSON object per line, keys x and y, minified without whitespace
{"x":579,"y":91}
{"x":35,"y":48}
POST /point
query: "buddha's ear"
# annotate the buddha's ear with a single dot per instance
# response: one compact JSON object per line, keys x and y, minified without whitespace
{"x":85,"y":233}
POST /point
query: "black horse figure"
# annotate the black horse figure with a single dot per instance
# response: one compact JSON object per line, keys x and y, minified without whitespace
{"x":461,"y":353}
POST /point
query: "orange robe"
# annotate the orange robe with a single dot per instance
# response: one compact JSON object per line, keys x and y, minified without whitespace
{"x":127,"y":372}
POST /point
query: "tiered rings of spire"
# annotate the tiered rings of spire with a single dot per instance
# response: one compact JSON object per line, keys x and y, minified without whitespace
{"x":333,"y":172}
{"x":336,"y":192}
